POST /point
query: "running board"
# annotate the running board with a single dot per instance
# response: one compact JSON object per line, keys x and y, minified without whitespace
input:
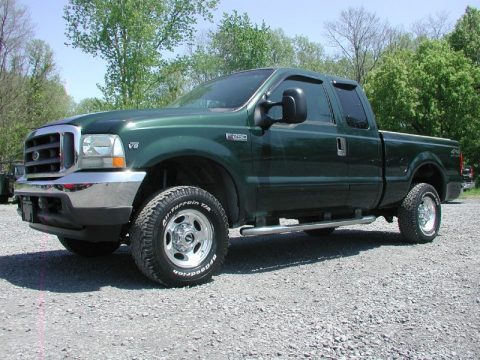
{"x":279,"y":229}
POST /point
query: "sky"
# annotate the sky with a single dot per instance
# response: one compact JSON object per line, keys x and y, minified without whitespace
{"x":81,"y":72}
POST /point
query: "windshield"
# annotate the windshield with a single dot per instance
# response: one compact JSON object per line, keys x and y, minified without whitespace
{"x":229,"y":92}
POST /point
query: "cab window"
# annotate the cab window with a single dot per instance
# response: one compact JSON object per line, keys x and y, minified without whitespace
{"x":352,"y":108}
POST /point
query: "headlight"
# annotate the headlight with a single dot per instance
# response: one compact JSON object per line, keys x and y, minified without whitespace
{"x":101,"y":151}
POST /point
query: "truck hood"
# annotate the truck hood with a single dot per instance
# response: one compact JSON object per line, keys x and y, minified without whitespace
{"x":112,"y":121}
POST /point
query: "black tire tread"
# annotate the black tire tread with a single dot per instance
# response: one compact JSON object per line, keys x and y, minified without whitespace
{"x":142,"y":233}
{"x":407,"y":221}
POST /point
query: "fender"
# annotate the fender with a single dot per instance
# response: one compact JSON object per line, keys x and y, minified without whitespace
{"x":425,"y":158}
{"x":171,"y":147}
{"x":396,"y":187}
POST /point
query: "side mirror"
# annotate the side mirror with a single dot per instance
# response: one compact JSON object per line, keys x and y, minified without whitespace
{"x":294,"y":103}
{"x":294,"y":109}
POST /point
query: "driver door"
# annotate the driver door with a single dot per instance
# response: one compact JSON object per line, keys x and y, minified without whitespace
{"x":298,"y":165}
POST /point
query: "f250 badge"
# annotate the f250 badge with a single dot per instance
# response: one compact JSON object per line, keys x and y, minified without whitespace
{"x":236,"y":137}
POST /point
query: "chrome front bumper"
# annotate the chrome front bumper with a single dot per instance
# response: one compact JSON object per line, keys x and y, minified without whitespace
{"x":91,"y":206}
{"x":87,"y":189}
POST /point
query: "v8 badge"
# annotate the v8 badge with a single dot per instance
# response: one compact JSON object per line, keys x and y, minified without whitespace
{"x":133,"y":145}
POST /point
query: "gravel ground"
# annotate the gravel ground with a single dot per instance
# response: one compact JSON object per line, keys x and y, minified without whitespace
{"x":359,"y":293}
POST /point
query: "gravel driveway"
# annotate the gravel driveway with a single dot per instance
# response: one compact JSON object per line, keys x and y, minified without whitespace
{"x":358,"y":293}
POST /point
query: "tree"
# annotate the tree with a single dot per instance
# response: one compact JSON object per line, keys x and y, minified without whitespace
{"x":91,"y":105}
{"x":130,"y":35}
{"x":15,"y":31}
{"x":432,"y":27}
{"x":466,"y":35}
{"x":239,"y":44}
{"x":31,"y":92}
{"x":431,"y":91}
{"x":307,"y":54}
{"x":361,"y":36}
{"x":282,"y":49}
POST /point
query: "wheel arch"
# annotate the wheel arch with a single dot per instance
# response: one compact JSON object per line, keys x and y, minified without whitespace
{"x":199,"y":170}
{"x":430,"y":172}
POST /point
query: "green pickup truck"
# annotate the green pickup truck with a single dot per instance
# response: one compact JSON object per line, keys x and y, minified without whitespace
{"x":242,"y":150}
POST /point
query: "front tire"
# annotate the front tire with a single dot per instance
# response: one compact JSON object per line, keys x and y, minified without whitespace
{"x":419,"y":216}
{"x":180,"y":237}
{"x":89,"y":249}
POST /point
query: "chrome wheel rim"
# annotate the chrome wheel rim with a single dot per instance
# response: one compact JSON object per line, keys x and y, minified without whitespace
{"x":188,"y":238}
{"x":427,"y":216}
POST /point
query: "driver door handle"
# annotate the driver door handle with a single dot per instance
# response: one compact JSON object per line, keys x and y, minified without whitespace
{"x":341,"y":146}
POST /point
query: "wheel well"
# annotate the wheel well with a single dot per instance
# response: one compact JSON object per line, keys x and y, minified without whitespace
{"x":430,"y":174}
{"x":191,"y":171}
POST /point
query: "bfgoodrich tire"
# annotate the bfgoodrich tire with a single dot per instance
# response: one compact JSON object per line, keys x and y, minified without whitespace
{"x":420,"y":214}
{"x":180,"y":237}
{"x":88,"y":249}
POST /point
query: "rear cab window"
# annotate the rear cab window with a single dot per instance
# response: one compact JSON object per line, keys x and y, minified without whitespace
{"x":353,"y":111}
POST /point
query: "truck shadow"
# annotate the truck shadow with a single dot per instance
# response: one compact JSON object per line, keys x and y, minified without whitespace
{"x":271,"y":253}
{"x":61,"y":272}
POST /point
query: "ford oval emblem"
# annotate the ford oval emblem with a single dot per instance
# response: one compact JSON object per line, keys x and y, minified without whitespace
{"x":35,"y":155}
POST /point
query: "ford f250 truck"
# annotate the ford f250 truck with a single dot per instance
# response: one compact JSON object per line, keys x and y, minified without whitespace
{"x":243,"y":150}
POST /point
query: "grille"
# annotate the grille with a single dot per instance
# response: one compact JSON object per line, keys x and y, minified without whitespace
{"x":49,"y":154}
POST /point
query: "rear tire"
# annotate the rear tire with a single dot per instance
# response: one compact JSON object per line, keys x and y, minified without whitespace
{"x":180,"y":237}
{"x":89,"y":249}
{"x":420,"y":214}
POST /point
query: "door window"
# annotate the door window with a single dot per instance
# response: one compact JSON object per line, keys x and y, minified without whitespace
{"x":318,"y":106}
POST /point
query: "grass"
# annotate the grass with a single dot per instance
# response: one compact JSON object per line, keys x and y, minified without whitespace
{"x":472,"y":193}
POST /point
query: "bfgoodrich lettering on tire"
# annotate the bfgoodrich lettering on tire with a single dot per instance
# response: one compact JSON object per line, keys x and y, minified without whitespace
{"x":180,"y":237}
{"x":419,"y":215}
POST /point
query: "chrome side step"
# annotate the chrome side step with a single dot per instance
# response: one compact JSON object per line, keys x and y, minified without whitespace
{"x":279,"y":229}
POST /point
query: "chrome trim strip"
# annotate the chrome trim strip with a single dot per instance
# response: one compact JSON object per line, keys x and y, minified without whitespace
{"x":279,"y":229}
{"x":87,"y":178}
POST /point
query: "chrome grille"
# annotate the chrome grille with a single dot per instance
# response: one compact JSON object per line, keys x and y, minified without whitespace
{"x":51,"y":151}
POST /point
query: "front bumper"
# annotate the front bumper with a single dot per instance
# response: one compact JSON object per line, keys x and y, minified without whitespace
{"x":90,"y":206}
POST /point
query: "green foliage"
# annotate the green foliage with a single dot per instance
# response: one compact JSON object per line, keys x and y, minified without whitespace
{"x":35,"y":96}
{"x":239,"y":44}
{"x":307,"y":54}
{"x":173,"y":80}
{"x":431,"y":91}
{"x":130,"y":36}
{"x":282,"y":49}
{"x":91,"y":105}
{"x":466,"y":35}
